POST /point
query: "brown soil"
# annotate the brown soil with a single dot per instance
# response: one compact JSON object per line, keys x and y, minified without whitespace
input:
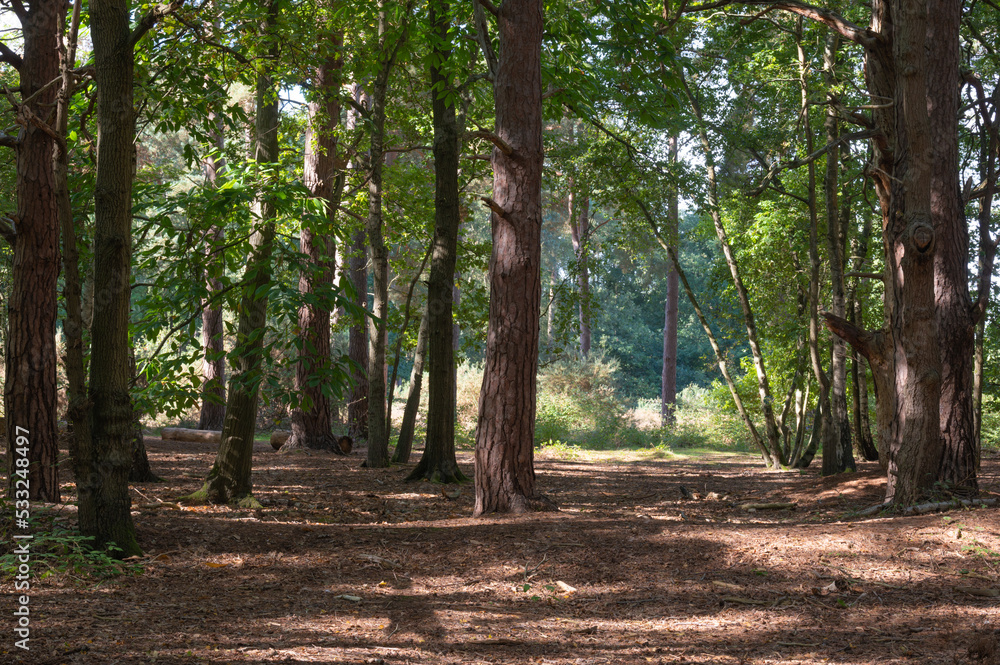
{"x":351,"y":565}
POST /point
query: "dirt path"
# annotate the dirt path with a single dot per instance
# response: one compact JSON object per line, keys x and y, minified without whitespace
{"x":349,"y":565}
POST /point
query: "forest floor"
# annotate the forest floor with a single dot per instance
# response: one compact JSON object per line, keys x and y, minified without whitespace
{"x":351,"y":565}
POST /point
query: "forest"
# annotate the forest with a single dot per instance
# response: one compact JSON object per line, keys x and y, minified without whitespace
{"x":521,"y":331}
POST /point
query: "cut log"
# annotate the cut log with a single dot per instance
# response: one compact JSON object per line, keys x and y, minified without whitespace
{"x":278,"y":438}
{"x":191,"y":435}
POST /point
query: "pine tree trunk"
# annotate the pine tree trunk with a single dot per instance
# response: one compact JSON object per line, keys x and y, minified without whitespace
{"x":668,"y":378}
{"x":404,"y":444}
{"x":229,"y":481}
{"x":104,"y":503}
{"x":438,"y":462}
{"x":956,"y":322}
{"x":505,"y":474}
{"x":30,"y":402}
{"x":312,"y":420}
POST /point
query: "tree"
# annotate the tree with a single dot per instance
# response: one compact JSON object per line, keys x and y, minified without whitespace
{"x":30,"y":380}
{"x":378,"y":428}
{"x":438,"y":462}
{"x":668,"y":381}
{"x":404,"y":444}
{"x":213,"y":400}
{"x":105,"y":457}
{"x":924,"y":383}
{"x":229,"y":480}
{"x":312,"y":419}
{"x":505,"y":474}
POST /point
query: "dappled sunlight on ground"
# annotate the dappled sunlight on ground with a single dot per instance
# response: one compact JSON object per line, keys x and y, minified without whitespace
{"x":351,"y":565}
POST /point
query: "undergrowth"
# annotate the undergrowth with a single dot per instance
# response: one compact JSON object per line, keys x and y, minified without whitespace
{"x":57,"y":550}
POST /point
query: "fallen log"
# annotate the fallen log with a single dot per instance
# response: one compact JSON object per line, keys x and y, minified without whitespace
{"x":278,"y":438}
{"x":923,"y":508}
{"x":190,"y":435}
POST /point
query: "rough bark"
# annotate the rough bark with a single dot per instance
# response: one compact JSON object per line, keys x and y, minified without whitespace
{"x":312,"y":420}
{"x":505,"y":474}
{"x":30,"y":354}
{"x":229,"y":480}
{"x":404,"y":444}
{"x":438,"y":462}
{"x":104,"y":502}
{"x":668,"y":377}
{"x":956,"y":317}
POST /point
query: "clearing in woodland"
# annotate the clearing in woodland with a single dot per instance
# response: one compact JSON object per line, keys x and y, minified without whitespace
{"x":352,"y":565}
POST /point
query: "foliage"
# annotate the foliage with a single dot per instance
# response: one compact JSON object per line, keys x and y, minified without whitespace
{"x":61,"y":550}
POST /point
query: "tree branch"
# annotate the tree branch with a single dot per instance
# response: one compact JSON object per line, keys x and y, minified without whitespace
{"x":483,"y":37}
{"x":7,"y":231}
{"x":239,"y":57}
{"x":493,"y":205}
{"x":8,"y":141}
{"x":861,"y":340}
{"x":18,"y":7}
{"x":776,"y":167}
{"x":502,"y":145}
{"x":11,"y":58}
{"x":490,"y":7}
{"x":151,"y":18}
{"x":833,"y":20}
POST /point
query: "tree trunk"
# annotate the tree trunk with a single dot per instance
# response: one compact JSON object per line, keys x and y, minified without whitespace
{"x":140,"y":472}
{"x":213,"y":369}
{"x":378,"y":428}
{"x":837,"y":213}
{"x":357,"y":342}
{"x":579,"y":224}
{"x":404,"y":444}
{"x":73,"y":324}
{"x":668,"y":378}
{"x":956,"y":317}
{"x":312,"y":419}
{"x":229,"y":481}
{"x":30,"y":402}
{"x":906,"y":356}
{"x":104,"y":502}
{"x":438,"y":462}
{"x":505,"y":474}
{"x":859,"y":381}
